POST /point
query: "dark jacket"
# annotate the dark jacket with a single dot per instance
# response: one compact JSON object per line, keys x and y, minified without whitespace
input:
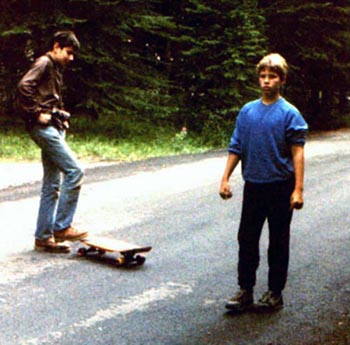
{"x":40,"y":89}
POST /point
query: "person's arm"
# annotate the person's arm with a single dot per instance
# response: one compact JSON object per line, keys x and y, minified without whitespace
{"x":225,"y":190}
{"x":296,"y":199}
{"x":28,"y":92}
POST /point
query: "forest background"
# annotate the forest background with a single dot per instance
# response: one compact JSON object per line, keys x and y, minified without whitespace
{"x":173,"y":74}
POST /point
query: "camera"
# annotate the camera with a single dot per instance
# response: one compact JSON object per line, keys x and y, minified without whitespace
{"x":61,"y":115}
{"x":60,"y":118}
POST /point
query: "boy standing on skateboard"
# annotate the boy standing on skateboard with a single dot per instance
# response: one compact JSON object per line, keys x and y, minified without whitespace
{"x":269,"y":140}
{"x":40,"y":100}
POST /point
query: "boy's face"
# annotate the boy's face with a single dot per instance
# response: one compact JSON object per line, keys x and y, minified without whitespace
{"x":64,"y":55}
{"x":270,"y":83}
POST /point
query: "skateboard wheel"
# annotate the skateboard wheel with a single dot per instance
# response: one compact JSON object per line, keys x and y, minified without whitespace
{"x":82,"y":252}
{"x":140,"y":259}
{"x":121,"y":261}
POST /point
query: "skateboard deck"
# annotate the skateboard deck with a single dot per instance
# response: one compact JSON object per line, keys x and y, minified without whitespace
{"x":129,"y":253}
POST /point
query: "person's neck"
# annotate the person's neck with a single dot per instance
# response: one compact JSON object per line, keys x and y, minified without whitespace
{"x":54,"y":59}
{"x":270,"y":100}
{"x":52,"y":56}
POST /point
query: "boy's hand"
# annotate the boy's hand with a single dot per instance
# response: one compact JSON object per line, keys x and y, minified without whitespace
{"x":296,"y":200}
{"x":44,"y":119}
{"x":225,"y":191}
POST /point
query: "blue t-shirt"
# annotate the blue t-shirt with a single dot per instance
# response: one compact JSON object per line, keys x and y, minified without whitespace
{"x":263,"y":137}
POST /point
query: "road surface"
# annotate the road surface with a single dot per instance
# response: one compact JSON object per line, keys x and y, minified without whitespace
{"x":178,"y":296}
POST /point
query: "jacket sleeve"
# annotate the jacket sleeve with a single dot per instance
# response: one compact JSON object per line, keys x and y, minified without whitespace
{"x":28,"y":93}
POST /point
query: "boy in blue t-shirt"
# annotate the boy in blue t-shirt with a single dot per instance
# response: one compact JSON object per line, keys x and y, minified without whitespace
{"x":269,"y":140}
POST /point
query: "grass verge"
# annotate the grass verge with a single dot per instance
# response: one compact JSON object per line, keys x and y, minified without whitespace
{"x":16,"y":145}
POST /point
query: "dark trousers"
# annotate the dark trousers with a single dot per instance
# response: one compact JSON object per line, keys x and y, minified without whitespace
{"x":260,"y":202}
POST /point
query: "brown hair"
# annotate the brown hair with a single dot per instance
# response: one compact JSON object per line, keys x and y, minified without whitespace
{"x":276,"y":63}
{"x":65,"y":39}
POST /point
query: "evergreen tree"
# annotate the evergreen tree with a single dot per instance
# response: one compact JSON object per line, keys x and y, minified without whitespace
{"x":314,"y":37}
{"x":220,"y":43}
{"x":119,"y":72}
{"x":144,"y":62}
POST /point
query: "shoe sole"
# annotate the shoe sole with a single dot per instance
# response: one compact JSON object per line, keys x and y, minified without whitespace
{"x":239,"y":309}
{"x":52,"y":250}
{"x":267,"y":309}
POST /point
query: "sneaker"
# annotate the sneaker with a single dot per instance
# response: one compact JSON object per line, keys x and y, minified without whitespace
{"x":270,"y":301}
{"x":241,"y":301}
{"x":69,"y":234}
{"x":49,"y":245}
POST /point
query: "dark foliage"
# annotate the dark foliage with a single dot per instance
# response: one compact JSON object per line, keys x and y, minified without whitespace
{"x":163,"y":63}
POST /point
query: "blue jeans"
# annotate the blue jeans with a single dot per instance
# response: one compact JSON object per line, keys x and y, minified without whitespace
{"x":59,"y":199}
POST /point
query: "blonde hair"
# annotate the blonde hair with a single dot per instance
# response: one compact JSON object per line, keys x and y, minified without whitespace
{"x":276,"y":63}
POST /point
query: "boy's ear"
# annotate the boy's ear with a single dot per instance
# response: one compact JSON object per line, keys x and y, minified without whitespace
{"x":55,"y":46}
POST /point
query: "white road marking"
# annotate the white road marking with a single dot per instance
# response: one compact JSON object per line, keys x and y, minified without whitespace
{"x":141,"y":302}
{"x":137,"y":303}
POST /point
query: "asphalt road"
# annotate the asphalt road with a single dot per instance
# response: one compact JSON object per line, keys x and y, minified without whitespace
{"x":178,"y":296}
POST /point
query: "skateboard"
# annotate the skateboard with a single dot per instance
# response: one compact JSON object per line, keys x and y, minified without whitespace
{"x":129,"y":253}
